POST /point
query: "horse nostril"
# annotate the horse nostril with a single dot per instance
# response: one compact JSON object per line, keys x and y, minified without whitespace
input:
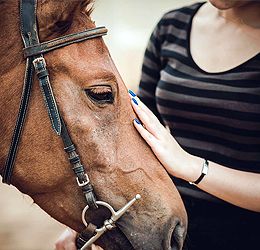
{"x":174,"y":242}
{"x":177,"y":237}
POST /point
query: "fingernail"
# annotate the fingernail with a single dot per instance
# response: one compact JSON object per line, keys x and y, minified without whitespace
{"x":131,"y":93}
{"x":135,"y":101}
{"x":137,"y":121}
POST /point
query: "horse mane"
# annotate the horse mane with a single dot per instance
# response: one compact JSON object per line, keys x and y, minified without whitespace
{"x":87,"y":7}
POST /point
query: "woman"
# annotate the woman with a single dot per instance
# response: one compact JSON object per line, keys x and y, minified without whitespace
{"x":201,"y":78}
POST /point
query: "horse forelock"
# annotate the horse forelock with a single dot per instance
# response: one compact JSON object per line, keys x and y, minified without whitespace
{"x":87,"y":6}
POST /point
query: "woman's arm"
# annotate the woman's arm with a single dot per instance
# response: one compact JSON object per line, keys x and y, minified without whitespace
{"x":237,"y":187}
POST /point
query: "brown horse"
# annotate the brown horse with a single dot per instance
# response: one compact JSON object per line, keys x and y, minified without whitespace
{"x":94,"y":103}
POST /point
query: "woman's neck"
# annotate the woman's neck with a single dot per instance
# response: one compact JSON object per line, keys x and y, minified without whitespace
{"x":247,"y":14}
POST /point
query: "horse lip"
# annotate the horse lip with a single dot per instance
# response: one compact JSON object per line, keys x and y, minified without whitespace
{"x":119,"y":239}
{"x":130,"y":243}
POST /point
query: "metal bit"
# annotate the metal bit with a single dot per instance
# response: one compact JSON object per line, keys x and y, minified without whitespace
{"x":109,"y":223}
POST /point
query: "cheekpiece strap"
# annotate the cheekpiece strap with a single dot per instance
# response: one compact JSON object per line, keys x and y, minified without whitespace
{"x":29,"y":32}
{"x":48,"y":96}
{"x":79,"y":170}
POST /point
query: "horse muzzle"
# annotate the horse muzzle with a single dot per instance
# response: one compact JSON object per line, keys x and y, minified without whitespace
{"x":153,"y":234}
{"x":161,"y":235}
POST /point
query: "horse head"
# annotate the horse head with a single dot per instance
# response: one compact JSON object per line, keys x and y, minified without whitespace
{"x":94,"y":103}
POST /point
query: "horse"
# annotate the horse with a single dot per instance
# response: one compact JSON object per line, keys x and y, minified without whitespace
{"x":94,"y":103}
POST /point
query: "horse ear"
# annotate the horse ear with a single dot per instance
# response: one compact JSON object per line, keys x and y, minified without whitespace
{"x":87,"y":6}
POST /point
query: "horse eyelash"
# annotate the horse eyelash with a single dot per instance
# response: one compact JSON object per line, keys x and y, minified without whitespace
{"x":94,"y":96}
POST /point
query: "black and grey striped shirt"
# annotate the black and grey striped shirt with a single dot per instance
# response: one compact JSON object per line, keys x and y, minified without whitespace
{"x":215,"y":116}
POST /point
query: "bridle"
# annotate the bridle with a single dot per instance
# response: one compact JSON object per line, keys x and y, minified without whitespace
{"x":35,"y":62}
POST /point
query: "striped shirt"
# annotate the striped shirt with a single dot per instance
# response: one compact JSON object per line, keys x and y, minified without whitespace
{"x":215,"y":116}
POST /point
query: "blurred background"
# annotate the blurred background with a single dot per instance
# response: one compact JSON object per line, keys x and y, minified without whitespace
{"x":23,"y":225}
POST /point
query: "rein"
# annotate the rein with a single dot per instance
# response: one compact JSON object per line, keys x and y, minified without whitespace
{"x":35,"y":62}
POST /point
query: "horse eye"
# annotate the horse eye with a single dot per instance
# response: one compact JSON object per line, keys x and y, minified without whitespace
{"x":102,"y":94}
{"x":61,"y":26}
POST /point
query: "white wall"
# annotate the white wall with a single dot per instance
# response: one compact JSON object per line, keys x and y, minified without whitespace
{"x":130,"y":23}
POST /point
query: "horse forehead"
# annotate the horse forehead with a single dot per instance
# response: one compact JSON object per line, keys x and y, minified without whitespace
{"x":56,"y":9}
{"x":55,"y":17}
{"x":51,"y":10}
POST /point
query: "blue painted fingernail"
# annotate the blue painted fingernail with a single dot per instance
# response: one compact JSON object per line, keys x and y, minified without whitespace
{"x":131,"y":93}
{"x":137,"y":121}
{"x":135,"y":101}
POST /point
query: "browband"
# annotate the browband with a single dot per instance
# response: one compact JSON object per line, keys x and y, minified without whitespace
{"x":63,"y":41}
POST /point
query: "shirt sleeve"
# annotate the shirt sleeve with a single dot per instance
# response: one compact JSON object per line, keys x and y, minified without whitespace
{"x":150,"y":74}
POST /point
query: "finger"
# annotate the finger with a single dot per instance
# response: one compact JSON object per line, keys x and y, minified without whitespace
{"x":149,"y":120}
{"x":70,"y":246}
{"x":145,"y":108}
{"x":157,"y":147}
{"x":142,"y":105}
{"x":66,"y":241}
{"x":147,"y":117}
{"x":96,"y":247}
{"x":152,"y":125}
{"x":131,"y":93}
{"x":147,"y":136}
{"x":143,"y":117}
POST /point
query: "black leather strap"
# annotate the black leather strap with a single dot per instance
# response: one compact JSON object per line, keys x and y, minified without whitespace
{"x":28,"y":26}
{"x":29,"y":36}
{"x":49,"y":99}
{"x":44,"y":47}
{"x":85,"y":235}
{"x":78,"y":168}
{"x":204,"y":172}
{"x":9,"y":164}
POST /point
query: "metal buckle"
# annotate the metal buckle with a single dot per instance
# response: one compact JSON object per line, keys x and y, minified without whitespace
{"x":109,"y":223}
{"x":39,"y":60}
{"x":84,"y":182}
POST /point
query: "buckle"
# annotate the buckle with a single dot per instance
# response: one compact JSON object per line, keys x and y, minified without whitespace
{"x":39,"y":60}
{"x":84,"y":182}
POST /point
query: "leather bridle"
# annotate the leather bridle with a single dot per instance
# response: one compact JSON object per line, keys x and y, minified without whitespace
{"x":35,"y":62}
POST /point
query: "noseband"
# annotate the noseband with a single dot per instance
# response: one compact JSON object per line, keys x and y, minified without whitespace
{"x":35,"y":62}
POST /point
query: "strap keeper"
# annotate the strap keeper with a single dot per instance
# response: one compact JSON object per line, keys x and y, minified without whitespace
{"x":42,"y":73}
{"x":204,"y":171}
{"x":74,"y":160}
{"x":70,"y":148}
{"x":78,"y":170}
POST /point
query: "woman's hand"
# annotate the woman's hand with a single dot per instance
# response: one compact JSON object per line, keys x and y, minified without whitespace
{"x":175,"y":160}
{"x":67,"y":240}
{"x":237,"y":187}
